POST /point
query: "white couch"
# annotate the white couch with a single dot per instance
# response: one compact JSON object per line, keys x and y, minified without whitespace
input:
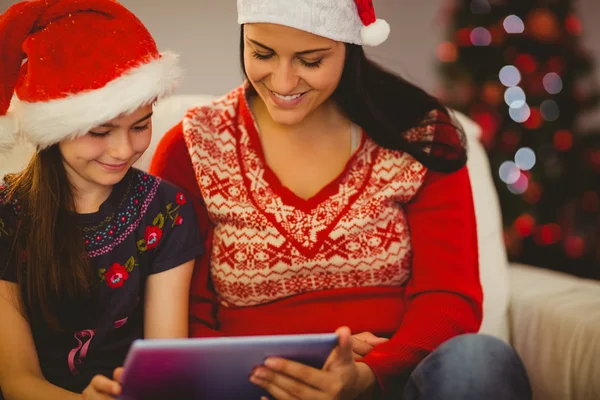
{"x":552,"y":319}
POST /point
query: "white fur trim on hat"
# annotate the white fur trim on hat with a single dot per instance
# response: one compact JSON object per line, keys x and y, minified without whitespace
{"x":47,"y":123}
{"x":375,"y":34}
{"x":8,"y":132}
{"x":331,"y":19}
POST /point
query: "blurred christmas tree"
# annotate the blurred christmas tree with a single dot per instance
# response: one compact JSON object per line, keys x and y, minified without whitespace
{"x":517,"y":68}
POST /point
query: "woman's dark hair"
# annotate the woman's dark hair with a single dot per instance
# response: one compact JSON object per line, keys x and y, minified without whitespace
{"x":48,"y":245}
{"x":386,"y":106}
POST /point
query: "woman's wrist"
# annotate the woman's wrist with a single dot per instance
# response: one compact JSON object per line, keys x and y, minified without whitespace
{"x":366,"y":382}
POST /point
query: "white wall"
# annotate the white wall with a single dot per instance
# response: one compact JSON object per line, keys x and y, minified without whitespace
{"x":206,"y":34}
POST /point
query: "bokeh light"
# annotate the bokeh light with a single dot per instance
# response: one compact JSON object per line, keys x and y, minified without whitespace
{"x":513,"y":24}
{"x":510,"y":76}
{"x":509,"y":172}
{"x":525,"y":158}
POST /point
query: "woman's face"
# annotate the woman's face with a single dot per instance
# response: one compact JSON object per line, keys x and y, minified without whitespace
{"x":294,"y":72}
{"x":104,"y":155}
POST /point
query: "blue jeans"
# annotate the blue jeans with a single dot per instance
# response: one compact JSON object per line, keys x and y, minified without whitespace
{"x":470,"y":367}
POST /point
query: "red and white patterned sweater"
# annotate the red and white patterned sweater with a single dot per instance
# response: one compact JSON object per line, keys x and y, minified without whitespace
{"x":387,"y":247}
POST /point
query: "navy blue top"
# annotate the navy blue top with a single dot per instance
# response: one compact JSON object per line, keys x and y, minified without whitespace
{"x":146,"y":226}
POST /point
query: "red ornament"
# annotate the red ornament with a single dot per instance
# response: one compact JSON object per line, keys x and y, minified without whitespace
{"x":524,"y":225}
{"x":542,"y":24}
{"x":574,"y":246}
{"x":492,"y":93}
{"x":535,"y":119}
{"x":563,"y":140}
{"x":526,"y":63}
{"x":463,"y":37}
{"x":489,"y":125}
{"x":179,"y":220}
{"x":573,"y":25}
{"x":548,"y":234}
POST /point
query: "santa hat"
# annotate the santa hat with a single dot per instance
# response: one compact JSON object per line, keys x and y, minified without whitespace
{"x":349,"y":21}
{"x":70,"y":65}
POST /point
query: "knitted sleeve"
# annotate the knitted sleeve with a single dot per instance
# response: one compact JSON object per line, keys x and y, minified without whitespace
{"x":444,"y":295}
{"x":172,"y":162}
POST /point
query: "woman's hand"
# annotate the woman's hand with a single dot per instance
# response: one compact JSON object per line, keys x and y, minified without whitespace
{"x":363,"y":343}
{"x":340,"y":379}
{"x":102,"y":388}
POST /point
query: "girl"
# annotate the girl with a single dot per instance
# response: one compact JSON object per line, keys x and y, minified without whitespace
{"x":93,"y":253}
{"x":335,"y":194}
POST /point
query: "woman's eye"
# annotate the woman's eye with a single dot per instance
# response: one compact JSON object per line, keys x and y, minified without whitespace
{"x":314,"y":64}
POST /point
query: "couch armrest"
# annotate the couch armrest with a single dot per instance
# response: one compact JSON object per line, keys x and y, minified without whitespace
{"x":555,"y":328}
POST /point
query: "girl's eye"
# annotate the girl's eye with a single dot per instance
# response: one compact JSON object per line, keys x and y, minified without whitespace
{"x":141,"y":128}
{"x":98,"y":134}
{"x":259,"y":56}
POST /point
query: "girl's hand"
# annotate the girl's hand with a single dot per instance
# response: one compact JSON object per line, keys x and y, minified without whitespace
{"x":340,"y":379}
{"x":102,"y":388}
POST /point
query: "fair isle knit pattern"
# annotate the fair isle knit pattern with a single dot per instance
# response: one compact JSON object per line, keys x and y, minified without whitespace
{"x":269,"y":244}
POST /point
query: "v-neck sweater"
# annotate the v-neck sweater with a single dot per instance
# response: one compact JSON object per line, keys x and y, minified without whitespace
{"x":387,"y":247}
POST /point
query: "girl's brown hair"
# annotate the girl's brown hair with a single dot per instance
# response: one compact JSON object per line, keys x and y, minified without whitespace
{"x":53,"y":264}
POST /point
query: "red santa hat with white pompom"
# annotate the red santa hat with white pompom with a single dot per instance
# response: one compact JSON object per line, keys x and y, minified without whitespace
{"x":69,"y":65}
{"x":349,"y":21}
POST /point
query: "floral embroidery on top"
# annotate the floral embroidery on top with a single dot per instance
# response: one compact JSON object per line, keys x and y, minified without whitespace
{"x":181,"y":200}
{"x":139,"y":196}
{"x":152,"y":236}
{"x":117,"y":274}
{"x":154,"y":232}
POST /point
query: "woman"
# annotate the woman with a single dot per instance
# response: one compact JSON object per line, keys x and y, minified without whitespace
{"x":334,"y":194}
{"x":93,"y":253}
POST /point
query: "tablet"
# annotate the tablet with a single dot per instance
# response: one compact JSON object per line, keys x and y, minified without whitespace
{"x":213,"y":368}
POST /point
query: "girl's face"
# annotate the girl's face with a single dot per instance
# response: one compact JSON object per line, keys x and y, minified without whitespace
{"x":104,"y":155}
{"x":294,"y":72}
